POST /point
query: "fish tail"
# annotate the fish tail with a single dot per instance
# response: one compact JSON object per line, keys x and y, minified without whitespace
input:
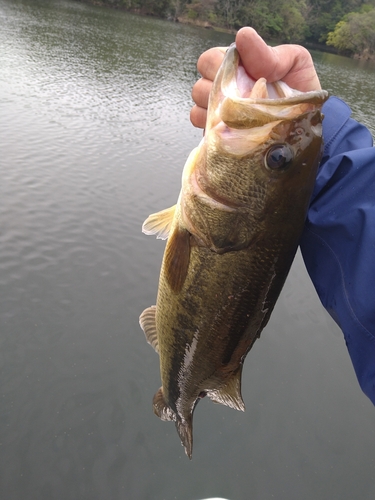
{"x":185,"y":431}
{"x":184,"y":427}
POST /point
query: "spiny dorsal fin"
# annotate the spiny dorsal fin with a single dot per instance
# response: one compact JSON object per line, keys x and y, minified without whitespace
{"x":230,"y":393}
{"x":159,"y":223}
{"x":177,"y":257}
{"x":148,"y":325}
{"x":160,"y":407}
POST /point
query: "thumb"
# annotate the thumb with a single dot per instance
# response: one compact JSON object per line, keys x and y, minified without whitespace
{"x":291,"y":63}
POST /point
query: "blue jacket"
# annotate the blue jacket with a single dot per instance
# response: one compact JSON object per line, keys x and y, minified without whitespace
{"x":338,"y":242}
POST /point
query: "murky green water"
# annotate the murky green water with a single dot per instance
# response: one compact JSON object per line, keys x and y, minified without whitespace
{"x":94,"y":132}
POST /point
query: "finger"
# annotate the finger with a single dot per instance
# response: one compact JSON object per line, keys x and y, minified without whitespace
{"x":291,"y":63}
{"x":302,"y":74}
{"x":257,"y":57}
{"x":198,"y":116}
{"x":209,"y":62}
{"x":201,"y":92}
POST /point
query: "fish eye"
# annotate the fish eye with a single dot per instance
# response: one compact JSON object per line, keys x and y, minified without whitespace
{"x":278,"y":157}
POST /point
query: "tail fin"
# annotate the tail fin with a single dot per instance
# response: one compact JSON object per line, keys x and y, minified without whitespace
{"x":184,"y":428}
{"x":185,"y":431}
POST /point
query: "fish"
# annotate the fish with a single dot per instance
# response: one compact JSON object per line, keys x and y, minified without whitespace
{"x":231,"y":238}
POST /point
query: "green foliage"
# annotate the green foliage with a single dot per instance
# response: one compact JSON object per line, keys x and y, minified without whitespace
{"x":228,"y":11}
{"x":154,"y":7}
{"x":323,"y":15}
{"x":292,"y":13}
{"x":192,"y":14}
{"x":259,"y":15}
{"x":355,"y":34}
{"x":347,"y":25}
{"x":283,"y":19}
{"x":340,"y":38}
{"x":176,"y":7}
{"x":367,"y":7}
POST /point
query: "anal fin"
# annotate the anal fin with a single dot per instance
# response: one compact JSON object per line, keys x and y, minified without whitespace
{"x":230,"y":393}
{"x":147,"y":322}
{"x":160,"y":407}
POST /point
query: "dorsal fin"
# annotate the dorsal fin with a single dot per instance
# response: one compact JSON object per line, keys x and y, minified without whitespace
{"x":176,"y":258}
{"x":148,"y":324}
{"x":230,"y":393}
{"x":159,"y":223}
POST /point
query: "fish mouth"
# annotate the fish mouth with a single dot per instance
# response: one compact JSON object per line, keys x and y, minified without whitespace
{"x":240,"y":102}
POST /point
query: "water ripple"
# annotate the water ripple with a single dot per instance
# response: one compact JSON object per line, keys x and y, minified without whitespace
{"x":94,"y":132}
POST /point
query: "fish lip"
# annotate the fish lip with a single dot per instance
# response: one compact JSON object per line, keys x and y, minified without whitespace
{"x":240,"y":102}
{"x":316,"y":97}
{"x":230,"y":87}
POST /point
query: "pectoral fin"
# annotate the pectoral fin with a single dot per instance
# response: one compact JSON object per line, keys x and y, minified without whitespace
{"x":230,"y":393}
{"x":159,"y":223}
{"x":177,"y":257}
{"x":148,"y":325}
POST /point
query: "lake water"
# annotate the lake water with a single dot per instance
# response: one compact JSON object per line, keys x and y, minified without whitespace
{"x":94,"y":132}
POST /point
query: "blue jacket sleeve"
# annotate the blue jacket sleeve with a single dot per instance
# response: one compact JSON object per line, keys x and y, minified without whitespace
{"x":338,"y":242}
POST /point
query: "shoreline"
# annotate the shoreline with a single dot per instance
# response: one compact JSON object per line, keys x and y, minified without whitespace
{"x":207,"y":25}
{"x":199,"y":23}
{"x":179,"y":19}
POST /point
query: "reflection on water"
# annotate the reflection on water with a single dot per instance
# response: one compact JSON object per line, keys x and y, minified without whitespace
{"x":94,"y":133}
{"x":352,"y":81}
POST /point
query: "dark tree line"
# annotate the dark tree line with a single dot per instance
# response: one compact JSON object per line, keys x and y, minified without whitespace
{"x":348,"y":25}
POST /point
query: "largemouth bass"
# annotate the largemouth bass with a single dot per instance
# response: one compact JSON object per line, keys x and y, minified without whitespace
{"x":232,"y":237}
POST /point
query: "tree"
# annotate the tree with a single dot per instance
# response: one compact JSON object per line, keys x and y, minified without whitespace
{"x":293,"y":14}
{"x":355,"y":34}
{"x":282,"y":19}
{"x":341,"y":37}
{"x":228,"y":10}
{"x":325,"y":14}
{"x":256,"y":13}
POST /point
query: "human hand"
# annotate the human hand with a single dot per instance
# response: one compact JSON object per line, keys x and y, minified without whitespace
{"x":291,"y":63}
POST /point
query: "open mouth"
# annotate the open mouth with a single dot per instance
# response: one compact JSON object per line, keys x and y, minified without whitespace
{"x":240,"y":102}
{"x":248,"y":88}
